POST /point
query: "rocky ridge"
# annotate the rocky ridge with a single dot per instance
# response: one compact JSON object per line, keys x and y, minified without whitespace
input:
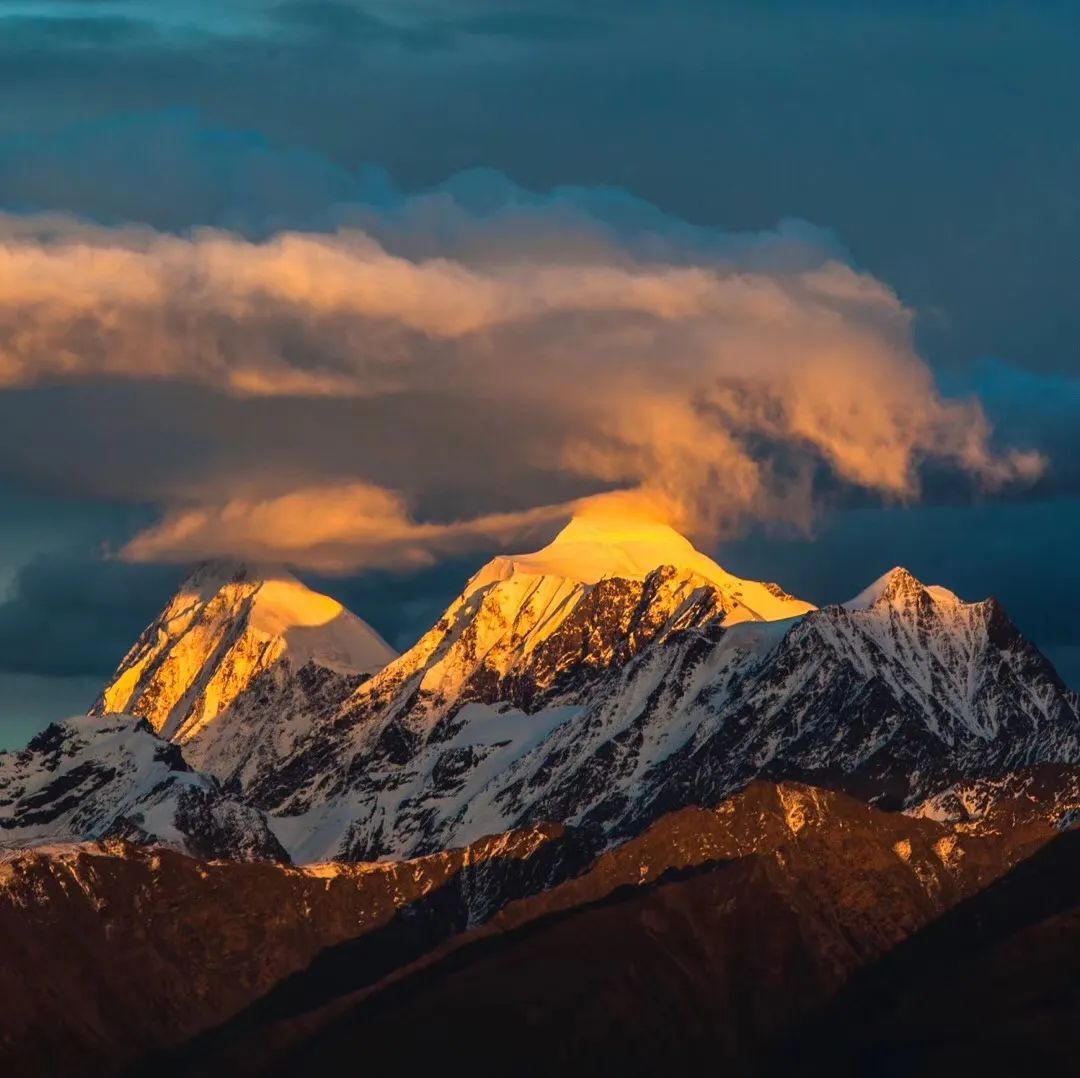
{"x":111,"y":777}
{"x":610,"y":677}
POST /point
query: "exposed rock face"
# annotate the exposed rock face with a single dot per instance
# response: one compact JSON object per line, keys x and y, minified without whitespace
{"x":617,"y":682}
{"x":893,"y":697}
{"x":545,"y":626}
{"x":219,"y":671}
{"x":710,"y":933}
{"x":508,"y":663}
{"x":713,"y":931}
{"x":612,"y":676}
{"x":388,"y":766}
{"x":113,"y":950}
{"x":988,"y":988}
{"x":110,"y":776}
{"x":1008,"y":803}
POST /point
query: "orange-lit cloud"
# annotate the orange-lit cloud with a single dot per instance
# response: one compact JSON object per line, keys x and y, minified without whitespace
{"x":329,"y":528}
{"x":336,"y":527}
{"x":716,"y":382}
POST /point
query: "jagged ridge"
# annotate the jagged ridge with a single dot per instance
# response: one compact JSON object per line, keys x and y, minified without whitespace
{"x":111,"y":777}
{"x":556,"y":688}
{"x":893,"y":699}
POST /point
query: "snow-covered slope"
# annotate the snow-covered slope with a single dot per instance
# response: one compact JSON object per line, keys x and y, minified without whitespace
{"x":610,"y":677}
{"x":532,"y":633}
{"x":892,"y":697}
{"x":535,"y":627}
{"x":112,"y":777}
{"x":594,"y":546}
{"x":240,"y":663}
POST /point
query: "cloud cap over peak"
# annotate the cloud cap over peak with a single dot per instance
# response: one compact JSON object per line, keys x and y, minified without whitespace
{"x":580,"y":337}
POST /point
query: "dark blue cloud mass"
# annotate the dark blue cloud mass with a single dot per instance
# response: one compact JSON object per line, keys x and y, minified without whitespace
{"x":930,"y":145}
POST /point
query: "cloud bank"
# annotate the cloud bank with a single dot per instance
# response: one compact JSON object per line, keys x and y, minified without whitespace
{"x":581,"y":338}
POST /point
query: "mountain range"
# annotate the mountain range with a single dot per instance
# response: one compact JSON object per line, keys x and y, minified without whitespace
{"x":612,"y":745}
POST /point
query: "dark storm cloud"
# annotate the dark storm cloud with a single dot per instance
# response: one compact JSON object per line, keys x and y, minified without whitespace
{"x":78,"y":615}
{"x":64,"y":610}
{"x":353,"y":25}
{"x":1036,"y":407}
{"x":65,"y":615}
{"x":172,"y":171}
{"x":74,"y":615}
{"x":20,"y":32}
{"x":535,"y":25}
{"x":607,"y":341}
{"x":437,"y":25}
{"x":134,"y":443}
{"x":215,"y":437}
{"x":29,"y":702}
{"x":935,"y":139}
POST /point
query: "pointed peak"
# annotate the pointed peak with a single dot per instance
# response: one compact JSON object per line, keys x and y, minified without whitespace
{"x":899,"y":585}
{"x":900,"y":581}
{"x":895,"y":584}
{"x":272,"y":600}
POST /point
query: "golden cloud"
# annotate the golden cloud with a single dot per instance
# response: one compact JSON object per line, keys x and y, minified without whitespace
{"x":713,"y":385}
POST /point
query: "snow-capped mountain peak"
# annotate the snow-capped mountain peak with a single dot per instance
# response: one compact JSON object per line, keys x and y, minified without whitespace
{"x":597,"y":546}
{"x":316,"y":628}
{"x":518,"y":655}
{"x":614,"y":674}
{"x":312,"y":626}
{"x":592,"y":547}
{"x":227,"y":625}
{"x":604,"y":588}
{"x":540,"y":697}
{"x":898,"y":587}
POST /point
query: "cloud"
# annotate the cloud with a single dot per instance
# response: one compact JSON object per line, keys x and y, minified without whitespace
{"x":1034,"y":407}
{"x":723,"y":377}
{"x":329,"y":528}
{"x":728,"y":112}
{"x":30,"y":31}
{"x":73,"y":615}
{"x":170,"y":170}
{"x":334,"y":21}
{"x":31,"y":702}
{"x":533,"y":25}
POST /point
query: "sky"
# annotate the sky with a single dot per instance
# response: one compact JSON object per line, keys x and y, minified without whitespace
{"x":378,"y":289}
